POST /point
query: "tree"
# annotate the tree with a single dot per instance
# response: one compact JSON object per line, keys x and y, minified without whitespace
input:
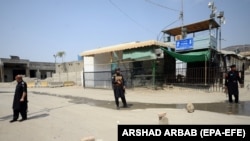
{"x":61,"y":54}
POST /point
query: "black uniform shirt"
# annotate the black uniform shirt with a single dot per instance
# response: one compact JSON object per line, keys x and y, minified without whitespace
{"x":20,"y":88}
{"x":233,"y":78}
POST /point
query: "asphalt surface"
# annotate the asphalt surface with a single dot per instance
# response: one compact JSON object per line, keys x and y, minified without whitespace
{"x":71,"y":113}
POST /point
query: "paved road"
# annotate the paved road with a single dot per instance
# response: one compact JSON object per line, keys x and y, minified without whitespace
{"x":71,"y":113}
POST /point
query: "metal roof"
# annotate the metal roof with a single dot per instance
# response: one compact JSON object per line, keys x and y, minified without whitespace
{"x":225,"y":52}
{"x":191,"y":28}
{"x":126,"y":46}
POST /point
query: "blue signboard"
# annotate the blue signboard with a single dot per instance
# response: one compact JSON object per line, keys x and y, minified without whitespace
{"x":184,"y":44}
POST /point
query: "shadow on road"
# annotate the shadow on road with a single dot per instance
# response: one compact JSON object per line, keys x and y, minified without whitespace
{"x":243,"y":108}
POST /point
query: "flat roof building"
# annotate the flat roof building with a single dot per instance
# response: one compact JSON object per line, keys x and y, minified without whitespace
{"x":10,"y":67}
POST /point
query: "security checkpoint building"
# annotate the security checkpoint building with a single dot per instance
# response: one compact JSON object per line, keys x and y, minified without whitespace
{"x":143,"y":63}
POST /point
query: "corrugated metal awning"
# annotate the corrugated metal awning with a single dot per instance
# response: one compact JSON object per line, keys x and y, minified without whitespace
{"x":126,"y":46}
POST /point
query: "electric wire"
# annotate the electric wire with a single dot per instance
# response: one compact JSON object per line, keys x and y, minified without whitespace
{"x":160,"y":37}
{"x":130,"y":18}
{"x":157,"y":4}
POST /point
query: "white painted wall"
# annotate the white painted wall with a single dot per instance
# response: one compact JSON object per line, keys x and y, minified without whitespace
{"x":89,"y":67}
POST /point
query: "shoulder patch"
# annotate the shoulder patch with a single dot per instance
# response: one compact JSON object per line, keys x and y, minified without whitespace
{"x":22,"y":83}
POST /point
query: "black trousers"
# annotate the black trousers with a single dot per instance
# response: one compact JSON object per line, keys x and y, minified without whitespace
{"x":22,"y":111}
{"x":123,"y":101}
{"x":233,"y":91}
{"x":119,"y":93}
{"x":236,"y":97}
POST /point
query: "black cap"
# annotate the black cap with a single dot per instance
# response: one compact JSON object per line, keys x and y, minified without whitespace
{"x":117,"y":69}
{"x":233,"y":66}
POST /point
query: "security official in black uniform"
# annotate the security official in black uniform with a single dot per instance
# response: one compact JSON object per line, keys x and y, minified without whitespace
{"x":231,"y":82}
{"x":20,"y":101}
{"x":118,"y":83}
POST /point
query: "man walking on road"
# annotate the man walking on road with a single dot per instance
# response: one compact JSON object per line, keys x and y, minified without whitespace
{"x":20,"y":101}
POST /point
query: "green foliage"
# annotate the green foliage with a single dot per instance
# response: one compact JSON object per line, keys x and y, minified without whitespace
{"x":61,"y":54}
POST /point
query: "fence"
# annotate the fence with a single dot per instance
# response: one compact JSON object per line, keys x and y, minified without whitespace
{"x":103,"y":79}
{"x":211,"y":78}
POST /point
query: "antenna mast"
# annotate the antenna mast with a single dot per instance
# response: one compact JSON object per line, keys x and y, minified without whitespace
{"x":182,"y":14}
{"x":183,"y":29}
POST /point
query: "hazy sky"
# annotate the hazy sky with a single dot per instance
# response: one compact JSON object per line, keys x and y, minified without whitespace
{"x":37,"y":29}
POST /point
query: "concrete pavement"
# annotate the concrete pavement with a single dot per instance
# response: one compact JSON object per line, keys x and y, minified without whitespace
{"x":54,"y":117}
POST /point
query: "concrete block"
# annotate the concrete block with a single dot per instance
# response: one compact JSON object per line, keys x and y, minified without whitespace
{"x":31,"y":84}
{"x":190,"y":107}
{"x":55,"y":84}
{"x":89,"y":138}
{"x":163,"y":118}
{"x":68,"y":83}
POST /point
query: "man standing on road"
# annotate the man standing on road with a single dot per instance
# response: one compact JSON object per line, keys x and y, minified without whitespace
{"x":232,"y":78}
{"x":20,"y":101}
{"x":118,"y":83}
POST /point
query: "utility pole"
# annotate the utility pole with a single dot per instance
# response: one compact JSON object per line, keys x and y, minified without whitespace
{"x":221,"y":21}
{"x":183,"y":29}
{"x":182,"y":13}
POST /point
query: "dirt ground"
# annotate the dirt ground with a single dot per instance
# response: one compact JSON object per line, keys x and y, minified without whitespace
{"x":71,"y":113}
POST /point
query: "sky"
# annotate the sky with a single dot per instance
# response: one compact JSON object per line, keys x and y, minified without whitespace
{"x":38,"y":29}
